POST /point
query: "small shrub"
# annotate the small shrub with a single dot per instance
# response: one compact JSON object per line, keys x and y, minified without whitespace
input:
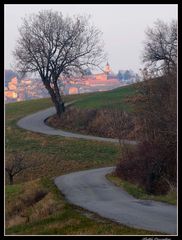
{"x":101,"y":124}
{"x":146,"y":165}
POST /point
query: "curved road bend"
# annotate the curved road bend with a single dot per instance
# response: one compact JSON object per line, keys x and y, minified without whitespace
{"x":36,"y":123}
{"x":91,"y":190}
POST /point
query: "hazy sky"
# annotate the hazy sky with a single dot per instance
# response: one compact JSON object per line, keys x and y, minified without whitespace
{"x":123,"y":27}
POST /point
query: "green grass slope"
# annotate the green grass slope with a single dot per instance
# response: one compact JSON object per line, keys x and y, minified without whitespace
{"x":58,"y":155}
{"x":25,"y":213}
{"x":51,"y":214}
{"x":111,"y":98}
{"x":55,"y":152}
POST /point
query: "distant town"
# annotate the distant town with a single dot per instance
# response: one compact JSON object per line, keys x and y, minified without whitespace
{"x":17,"y":89}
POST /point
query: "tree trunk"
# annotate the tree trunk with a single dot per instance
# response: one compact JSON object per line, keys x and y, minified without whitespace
{"x":60,"y":104}
{"x":10,"y":179}
{"x":56,"y":99}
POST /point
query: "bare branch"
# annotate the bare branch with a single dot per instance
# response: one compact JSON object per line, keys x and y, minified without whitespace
{"x":160,"y":51}
{"x":53,"y":46}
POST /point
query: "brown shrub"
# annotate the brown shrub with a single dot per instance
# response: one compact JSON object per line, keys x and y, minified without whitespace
{"x":154,"y":163}
{"x":102,"y":122}
{"x":73,"y":118}
{"x":101,"y":125}
{"x":147,"y":165}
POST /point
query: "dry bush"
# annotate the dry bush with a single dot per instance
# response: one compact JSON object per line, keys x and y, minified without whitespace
{"x":122,"y":123}
{"x":158,"y":114}
{"x":101,"y":125}
{"x":154,"y":163}
{"x":143,"y":167}
{"x":19,"y":164}
{"x":134,"y":99}
{"x":105,"y":122}
{"x":73,"y":118}
{"x":14,"y":165}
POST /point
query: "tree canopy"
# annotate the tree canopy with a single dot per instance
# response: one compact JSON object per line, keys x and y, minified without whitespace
{"x":160,"y":51}
{"x":51,"y":45}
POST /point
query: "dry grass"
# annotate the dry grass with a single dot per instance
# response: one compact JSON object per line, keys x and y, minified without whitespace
{"x":138,"y":192}
{"x":97,"y":122}
{"x":34,"y":203}
{"x":52,"y":215}
{"x":54,"y":155}
{"x":52,"y":165}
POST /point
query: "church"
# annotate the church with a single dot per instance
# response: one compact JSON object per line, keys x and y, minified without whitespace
{"x":103,"y":81}
{"x":105,"y":78}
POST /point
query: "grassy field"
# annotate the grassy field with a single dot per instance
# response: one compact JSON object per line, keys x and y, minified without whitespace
{"x":94,"y":111}
{"x":34,"y":205}
{"x":38,"y":208}
{"x":111,"y":98}
{"x":58,"y":155}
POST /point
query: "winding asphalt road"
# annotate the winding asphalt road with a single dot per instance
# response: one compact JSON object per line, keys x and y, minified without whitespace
{"x":36,"y":123}
{"x":91,"y":190}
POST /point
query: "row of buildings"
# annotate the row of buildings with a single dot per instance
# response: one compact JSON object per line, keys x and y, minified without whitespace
{"x":19,"y":90}
{"x":103,"y":81}
{"x":24,"y":89}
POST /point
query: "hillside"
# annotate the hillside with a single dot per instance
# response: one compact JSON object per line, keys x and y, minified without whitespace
{"x":96,"y":114}
{"x":33,"y":204}
{"x":90,"y":153}
{"x":109,"y":98}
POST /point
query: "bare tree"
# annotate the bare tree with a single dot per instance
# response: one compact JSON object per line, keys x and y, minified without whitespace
{"x":52,"y":46}
{"x":152,"y":164}
{"x":16,"y":164}
{"x":160,"y":51}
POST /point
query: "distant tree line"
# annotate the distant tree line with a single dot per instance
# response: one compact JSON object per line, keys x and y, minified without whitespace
{"x":125,"y":75}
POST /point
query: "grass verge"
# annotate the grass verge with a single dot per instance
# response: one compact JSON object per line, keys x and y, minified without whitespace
{"x":52,"y":215}
{"x":139,"y":193}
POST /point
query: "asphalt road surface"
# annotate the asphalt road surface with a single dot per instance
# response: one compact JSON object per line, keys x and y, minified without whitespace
{"x":36,"y":123}
{"x":91,"y":190}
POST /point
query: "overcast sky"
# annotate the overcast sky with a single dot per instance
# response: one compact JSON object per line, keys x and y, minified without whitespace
{"x":123,"y":27}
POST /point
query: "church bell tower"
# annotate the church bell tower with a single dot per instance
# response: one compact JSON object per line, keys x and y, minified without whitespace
{"x":107,"y":68}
